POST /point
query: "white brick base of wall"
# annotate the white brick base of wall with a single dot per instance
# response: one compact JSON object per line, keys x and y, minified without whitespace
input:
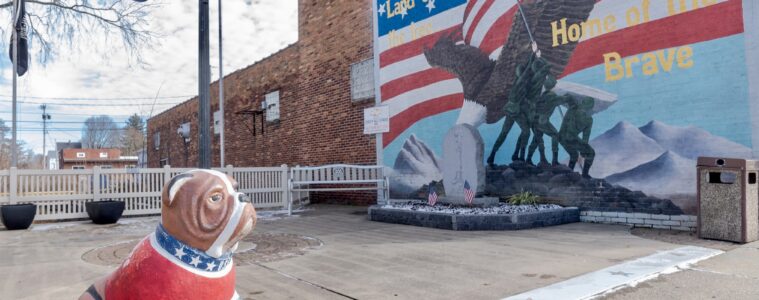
{"x":675,"y":222}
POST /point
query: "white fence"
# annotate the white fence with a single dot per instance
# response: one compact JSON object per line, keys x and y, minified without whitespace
{"x":61,"y":194}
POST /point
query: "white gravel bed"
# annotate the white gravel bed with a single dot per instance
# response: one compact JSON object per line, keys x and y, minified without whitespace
{"x":500,"y":209}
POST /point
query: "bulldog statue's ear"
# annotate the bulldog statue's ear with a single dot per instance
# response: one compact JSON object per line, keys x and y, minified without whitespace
{"x":175,"y":184}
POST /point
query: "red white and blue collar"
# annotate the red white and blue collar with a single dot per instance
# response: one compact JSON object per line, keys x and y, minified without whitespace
{"x":190,"y":258}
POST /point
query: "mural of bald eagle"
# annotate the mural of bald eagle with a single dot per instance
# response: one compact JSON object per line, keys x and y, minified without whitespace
{"x":487,"y":82}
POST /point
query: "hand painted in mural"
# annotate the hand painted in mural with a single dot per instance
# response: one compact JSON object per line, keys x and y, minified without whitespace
{"x":578,"y":121}
{"x":189,"y":256}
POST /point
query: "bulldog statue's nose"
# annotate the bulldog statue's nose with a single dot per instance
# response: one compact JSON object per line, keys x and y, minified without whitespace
{"x":243,"y":198}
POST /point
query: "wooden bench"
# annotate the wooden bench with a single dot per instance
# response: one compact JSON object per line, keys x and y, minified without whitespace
{"x":332,"y":178}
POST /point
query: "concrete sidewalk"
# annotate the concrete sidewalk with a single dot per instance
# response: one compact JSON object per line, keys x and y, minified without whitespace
{"x":356,"y":258}
{"x":733,"y":275}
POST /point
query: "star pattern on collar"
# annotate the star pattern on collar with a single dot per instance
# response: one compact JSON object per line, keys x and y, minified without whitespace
{"x":189,"y":256}
{"x":210,"y":266}
{"x":179,"y":252}
{"x":195,"y":261}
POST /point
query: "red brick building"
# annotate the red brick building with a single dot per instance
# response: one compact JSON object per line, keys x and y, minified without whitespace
{"x":88,"y":158}
{"x":311,"y":117}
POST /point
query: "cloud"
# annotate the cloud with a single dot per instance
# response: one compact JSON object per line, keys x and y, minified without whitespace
{"x":251,"y":32}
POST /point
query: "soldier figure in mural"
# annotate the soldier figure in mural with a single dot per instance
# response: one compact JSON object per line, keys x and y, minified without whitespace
{"x":578,"y":121}
{"x":515,"y":111}
{"x":541,"y":122}
{"x":530,"y":108}
{"x":519,"y":109}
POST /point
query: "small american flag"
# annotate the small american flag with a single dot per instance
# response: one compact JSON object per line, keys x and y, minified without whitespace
{"x":468,"y":193}
{"x":432,"y":197}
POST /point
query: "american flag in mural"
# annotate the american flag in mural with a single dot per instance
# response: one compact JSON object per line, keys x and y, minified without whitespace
{"x":414,"y":90}
{"x":432,"y":196}
{"x":468,"y":193}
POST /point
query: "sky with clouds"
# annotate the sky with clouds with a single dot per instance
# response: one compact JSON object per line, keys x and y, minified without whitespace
{"x":68,"y":84}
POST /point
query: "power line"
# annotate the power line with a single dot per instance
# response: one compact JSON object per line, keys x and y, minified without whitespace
{"x":62,"y":122}
{"x":65,"y":132}
{"x":90,"y":104}
{"x":70,"y":114}
{"x":94,"y":98}
{"x":69,"y":129}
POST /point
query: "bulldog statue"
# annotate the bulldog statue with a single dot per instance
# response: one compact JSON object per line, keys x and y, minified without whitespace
{"x":189,"y":256}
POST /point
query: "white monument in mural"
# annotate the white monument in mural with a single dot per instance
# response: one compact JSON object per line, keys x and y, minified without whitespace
{"x":463,"y":151}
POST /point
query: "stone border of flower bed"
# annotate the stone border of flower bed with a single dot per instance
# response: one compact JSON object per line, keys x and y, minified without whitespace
{"x":475,"y":222}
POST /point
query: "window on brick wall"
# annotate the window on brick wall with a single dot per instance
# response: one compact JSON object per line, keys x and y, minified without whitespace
{"x":272,"y":106}
{"x":157,"y":140}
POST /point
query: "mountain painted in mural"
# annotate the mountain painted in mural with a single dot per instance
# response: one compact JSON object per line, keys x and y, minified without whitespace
{"x":415,"y":166}
{"x":674,"y":150}
{"x":666,"y":175}
{"x":691,"y":142}
{"x":622,"y":148}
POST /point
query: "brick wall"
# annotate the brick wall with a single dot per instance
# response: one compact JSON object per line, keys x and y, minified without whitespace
{"x":319,"y":124}
{"x":333,"y":35}
{"x":642,"y":220}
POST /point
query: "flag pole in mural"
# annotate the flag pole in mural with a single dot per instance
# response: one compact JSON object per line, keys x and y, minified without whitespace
{"x":570,"y":99}
{"x":527,"y":26}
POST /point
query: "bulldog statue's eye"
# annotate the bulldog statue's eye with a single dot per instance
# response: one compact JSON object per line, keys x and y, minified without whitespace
{"x":216,"y":197}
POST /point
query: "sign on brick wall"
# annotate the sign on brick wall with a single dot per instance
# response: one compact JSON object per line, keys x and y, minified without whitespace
{"x":217,"y":122}
{"x":362,"y":80}
{"x":376,"y":120}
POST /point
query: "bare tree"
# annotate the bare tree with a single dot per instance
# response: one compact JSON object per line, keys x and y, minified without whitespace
{"x":30,"y":160}
{"x":133,"y":138}
{"x":53,"y":23}
{"x":5,"y":146}
{"x":100,"y":132}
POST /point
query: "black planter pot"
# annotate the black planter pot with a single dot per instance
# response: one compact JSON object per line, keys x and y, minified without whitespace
{"x":18,"y":216}
{"x":105,"y":212}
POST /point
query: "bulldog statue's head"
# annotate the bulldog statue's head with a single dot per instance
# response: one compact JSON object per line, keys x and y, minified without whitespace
{"x":203,"y":209}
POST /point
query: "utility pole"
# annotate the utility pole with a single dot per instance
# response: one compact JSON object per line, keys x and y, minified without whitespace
{"x":45,"y":118}
{"x":221,"y":92}
{"x":14,"y":151}
{"x":204,"y":93}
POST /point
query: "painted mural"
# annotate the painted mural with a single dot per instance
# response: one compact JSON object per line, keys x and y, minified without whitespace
{"x":603,"y":103}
